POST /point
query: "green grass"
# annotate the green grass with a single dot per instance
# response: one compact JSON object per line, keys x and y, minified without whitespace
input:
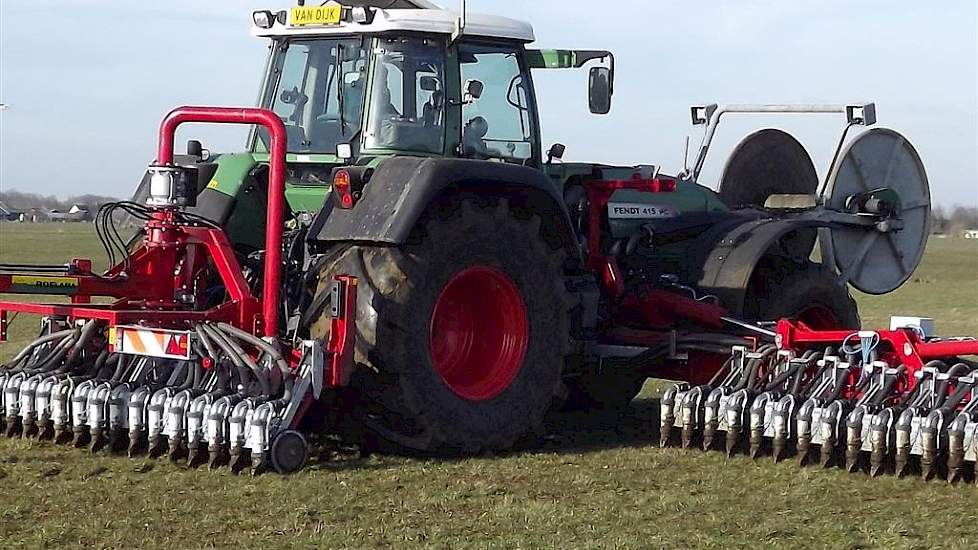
{"x":592,"y":483}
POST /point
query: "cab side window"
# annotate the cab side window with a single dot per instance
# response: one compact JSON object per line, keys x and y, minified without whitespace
{"x":497,"y":124}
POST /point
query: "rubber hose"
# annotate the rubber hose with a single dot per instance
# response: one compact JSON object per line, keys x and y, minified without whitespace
{"x":952,"y":403}
{"x":910,"y":398}
{"x":103,"y":357}
{"x":42,"y":356}
{"x":244,"y":374}
{"x":56,"y":357}
{"x":188,"y":379}
{"x":957,"y":370}
{"x":87,"y":333}
{"x":754,"y":367}
{"x":121,"y":365}
{"x":888,"y":386}
{"x":784,"y":377}
{"x":208,"y":345}
{"x":283,"y":365}
{"x":839,"y":383}
{"x":260,"y":373}
{"x":40,"y":341}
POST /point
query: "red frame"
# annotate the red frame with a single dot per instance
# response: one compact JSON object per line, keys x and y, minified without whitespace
{"x":173,"y":253}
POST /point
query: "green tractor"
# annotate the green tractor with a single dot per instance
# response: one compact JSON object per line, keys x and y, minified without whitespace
{"x":497,"y":282}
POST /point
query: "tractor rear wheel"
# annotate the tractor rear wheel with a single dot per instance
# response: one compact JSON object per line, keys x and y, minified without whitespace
{"x":809,"y":292}
{"x":462,"y":333}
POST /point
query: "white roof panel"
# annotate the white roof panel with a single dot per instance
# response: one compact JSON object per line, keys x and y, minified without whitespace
{"x":408,"y":20}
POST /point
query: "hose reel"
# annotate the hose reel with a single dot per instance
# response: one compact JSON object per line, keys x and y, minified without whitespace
{"x":878,"y":174}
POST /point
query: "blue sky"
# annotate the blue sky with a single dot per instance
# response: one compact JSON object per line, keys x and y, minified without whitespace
{"x":89,"y":80}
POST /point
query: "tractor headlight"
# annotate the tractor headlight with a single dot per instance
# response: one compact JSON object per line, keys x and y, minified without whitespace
{"x":263,"y":19}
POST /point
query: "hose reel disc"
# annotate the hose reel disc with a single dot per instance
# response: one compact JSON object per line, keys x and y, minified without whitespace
{"x":767,"y":162}
{"x":879,"y":161}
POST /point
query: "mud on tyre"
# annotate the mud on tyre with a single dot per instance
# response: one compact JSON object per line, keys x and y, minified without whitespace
{"x":462,"y":333}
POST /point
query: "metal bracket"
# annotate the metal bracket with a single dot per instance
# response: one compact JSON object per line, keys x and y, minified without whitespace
{"x":863,"y":114}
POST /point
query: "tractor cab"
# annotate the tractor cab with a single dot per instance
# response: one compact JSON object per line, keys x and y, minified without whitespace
{"x":354,"y":83}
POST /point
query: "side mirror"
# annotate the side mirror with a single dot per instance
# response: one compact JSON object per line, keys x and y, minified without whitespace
{"x":556,"y":152}
{"x":429,"y":84}
{"x":195,"y":149}
{"x":474,"y":89}
{"x":599,"y":90}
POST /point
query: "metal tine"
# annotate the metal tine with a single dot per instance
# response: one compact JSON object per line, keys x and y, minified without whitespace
{"x":923,"y":402}
{"x":716,"y":400}
{"x":933,"y":428}
{"x":768,"y":418}
{"x":962,"y":441}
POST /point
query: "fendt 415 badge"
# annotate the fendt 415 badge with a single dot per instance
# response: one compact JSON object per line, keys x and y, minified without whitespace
{"x":396,"y":252}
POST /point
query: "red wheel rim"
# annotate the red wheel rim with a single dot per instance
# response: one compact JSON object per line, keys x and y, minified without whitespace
{"x":819,"y":317}
{"x":479,"y":333}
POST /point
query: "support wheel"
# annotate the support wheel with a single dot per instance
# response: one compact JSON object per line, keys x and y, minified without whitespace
{"x":289,"y":452}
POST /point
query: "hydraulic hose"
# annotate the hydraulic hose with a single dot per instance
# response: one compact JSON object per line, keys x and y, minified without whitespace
{"x":837,"y":390}
{"x":244,"y":375}
{"x":87,"y":333}
{"x":912,"y":397}
{"x":260,"y":374}
{"x":55,"y":357}
{"x":38,"y":342}
{"x":956,"y":371}
{"x":750,"y":374}
{"x":239,"y":358}
{"x":888,"y":386}
{"x":809,"y":357}
{"x":103,"y":357}
{"x":268,"y":348}
{"x":188,"y":379}
{"x":959,"y":393}
{"x":121,"y":365}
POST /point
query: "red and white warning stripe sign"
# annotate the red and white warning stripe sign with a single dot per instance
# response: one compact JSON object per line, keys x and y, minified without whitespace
{"x":165,"y":344}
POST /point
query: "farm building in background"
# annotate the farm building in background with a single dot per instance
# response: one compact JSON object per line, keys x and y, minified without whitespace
{"x":8,"y":214}
{"x":75,"y":214}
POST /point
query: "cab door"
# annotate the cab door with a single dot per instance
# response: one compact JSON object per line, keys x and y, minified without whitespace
{"x":500,"y":121}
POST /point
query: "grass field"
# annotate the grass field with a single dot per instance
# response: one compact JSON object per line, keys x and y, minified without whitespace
{"x":591,"y":484}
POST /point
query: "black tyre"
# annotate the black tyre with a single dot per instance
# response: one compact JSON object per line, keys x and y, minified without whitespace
{"x":462,"y":334}
{"x":809,"y":292}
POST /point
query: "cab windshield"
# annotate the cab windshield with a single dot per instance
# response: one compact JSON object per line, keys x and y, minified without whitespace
{"x":318,"y":89}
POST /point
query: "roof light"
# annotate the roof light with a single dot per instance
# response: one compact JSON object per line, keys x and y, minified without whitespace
{"x":282,"y":17}
{"x":263,"y":19}
{"x":344,"y":151}
{"x":360,"y":14}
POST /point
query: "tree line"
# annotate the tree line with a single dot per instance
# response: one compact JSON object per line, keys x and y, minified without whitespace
{"x":953,"y":220}
{"x":21,"y":201}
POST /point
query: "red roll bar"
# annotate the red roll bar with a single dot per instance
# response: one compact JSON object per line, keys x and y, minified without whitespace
{"x":276,"y":185}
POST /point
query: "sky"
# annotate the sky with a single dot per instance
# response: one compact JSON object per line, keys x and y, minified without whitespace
{"x":87,"y":81}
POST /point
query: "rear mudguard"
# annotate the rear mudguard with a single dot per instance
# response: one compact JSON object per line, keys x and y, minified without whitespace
{"x":402,"y":188}
{"x":730,"y":265}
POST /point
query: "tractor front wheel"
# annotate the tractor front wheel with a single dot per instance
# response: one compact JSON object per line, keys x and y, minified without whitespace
{"x":462,"y":333}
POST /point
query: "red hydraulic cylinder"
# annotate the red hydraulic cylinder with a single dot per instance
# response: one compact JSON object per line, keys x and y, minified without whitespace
{"x":276,"y":185}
